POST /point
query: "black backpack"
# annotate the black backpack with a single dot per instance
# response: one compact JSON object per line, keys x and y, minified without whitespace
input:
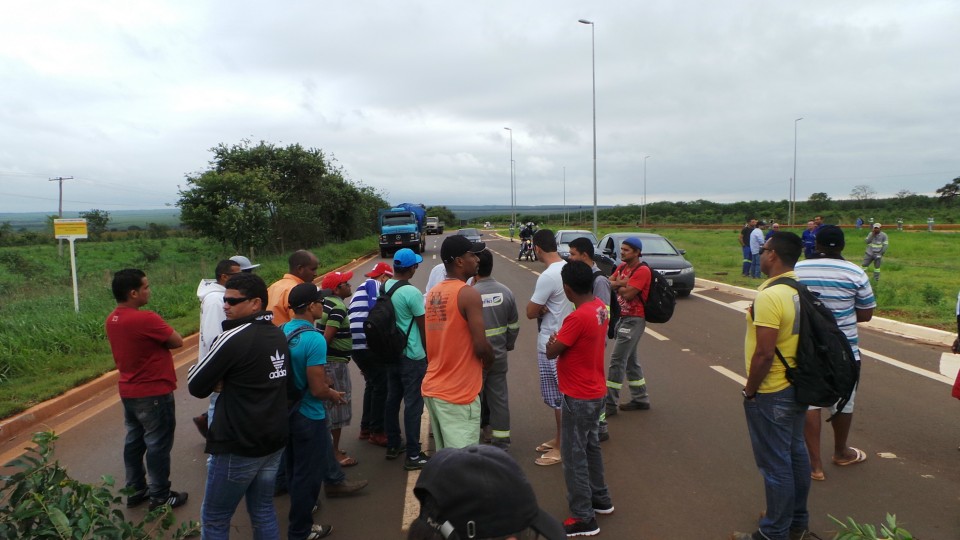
{"x":826,"y":372}
{"x":612,"y":302}
{"x":661,"y":299}
{"x":384,"y":338}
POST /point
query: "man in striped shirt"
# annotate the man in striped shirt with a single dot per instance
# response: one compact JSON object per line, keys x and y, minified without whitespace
{"x":845,"y":289}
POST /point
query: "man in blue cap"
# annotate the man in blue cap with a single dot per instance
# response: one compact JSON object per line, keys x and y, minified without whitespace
{"x":406,"y":374}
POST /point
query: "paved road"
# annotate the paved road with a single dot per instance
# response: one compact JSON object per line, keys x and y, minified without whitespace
{"x":682,"y":470}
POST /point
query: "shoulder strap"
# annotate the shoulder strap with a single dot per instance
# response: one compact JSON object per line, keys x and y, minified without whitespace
{"x":396,"y":286}
{"x":790,"y":282}
{"x":299,"y":330}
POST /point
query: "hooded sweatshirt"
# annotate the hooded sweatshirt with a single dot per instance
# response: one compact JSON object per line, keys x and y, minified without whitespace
{"x":210,"y":294}
{"x":252,"y":360}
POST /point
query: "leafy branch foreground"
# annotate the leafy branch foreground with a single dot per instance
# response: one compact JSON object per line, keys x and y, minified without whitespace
{"x":851,"y":530}
{"x":43,"y":501}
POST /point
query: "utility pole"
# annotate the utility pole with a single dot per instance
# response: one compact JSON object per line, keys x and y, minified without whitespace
{"x":60,"y":212}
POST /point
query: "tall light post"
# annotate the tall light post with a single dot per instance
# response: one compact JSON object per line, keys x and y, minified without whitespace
{"x":593,"y":70}
{"x":564,"y":195}
{"x":643,"y":210}
{"x":793,"y":189}
{"x":513,"y":196}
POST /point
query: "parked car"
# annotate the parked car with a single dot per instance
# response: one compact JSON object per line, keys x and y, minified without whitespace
{"x":658,"y":252}
{"x":472,"y":235}
{"x":564,"y":237}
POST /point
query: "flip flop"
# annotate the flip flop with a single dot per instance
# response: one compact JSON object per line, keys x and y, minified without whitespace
{"x":348,"y":461}
{"x":545,"y":447}
{"x":819,"y":477}
{"x":861,"y":457}
{"x":549,"y":459}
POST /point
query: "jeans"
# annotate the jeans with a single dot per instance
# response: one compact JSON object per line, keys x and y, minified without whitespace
{"x":582,"y":461}
{"x":775,"y":422}
{"x":755,"y":265}
{"x":306,"y":454}
{"x":150,"y":423}
{"x":403,"y":382}
{"x":374,"y":390}
{"x":624,"y":357}
{"x":747,"y":260}
{"x":230,"y":478}
{"x":332,"y":471}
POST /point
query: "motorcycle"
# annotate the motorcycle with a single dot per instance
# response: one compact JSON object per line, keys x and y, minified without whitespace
{"x":526,"y":250}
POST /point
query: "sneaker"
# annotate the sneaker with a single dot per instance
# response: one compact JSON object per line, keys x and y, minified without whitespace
{"x":319,"y":531}
{"x":174,"y":499}
{"x":138,"y":498}
{"x":575,"y":527}
{"x":201,"y":423}
{"x":378,"y":439}
{"x":601,"y":508}
{"x":803,"y":534}
{"x":415,"y":463}
{"x":347,"y":487}
{"x":394,"y":453}
{"x":634,"y":406}
{"x":364,"y":434}
{"x":603,"y":436}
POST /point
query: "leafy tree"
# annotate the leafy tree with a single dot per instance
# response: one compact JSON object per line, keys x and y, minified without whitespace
{"x":950,"y":191}
{"x":97,"y":221}
{"x":819,"y":201}
{"x":862,"y":192}
{"x":445,"y":214}
{"x":905,"y":194}
{"x":157,"y":230}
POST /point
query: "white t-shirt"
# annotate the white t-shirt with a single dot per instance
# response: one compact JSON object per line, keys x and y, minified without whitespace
{"x":549,"y":293}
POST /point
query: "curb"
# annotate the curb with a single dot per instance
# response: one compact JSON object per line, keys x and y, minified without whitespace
{"x":916,"y":332}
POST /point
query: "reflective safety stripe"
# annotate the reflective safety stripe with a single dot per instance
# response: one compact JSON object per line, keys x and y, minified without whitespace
{"x":500,"y":434}
{"x":514,"y":326}
{"x":748,"y":260}
{"x":496,"y":331}
{"x":878,"y":246}
{"x":641,"y":382}
{"x":611,"y":384}
{"x":603,"y":415}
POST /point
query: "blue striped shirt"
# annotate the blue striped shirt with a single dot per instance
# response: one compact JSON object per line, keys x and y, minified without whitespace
{"x":361,"y":303}
{"x":843,"y":287}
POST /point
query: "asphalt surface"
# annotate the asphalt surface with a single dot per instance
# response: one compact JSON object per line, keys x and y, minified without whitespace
{"x":682,"y":470}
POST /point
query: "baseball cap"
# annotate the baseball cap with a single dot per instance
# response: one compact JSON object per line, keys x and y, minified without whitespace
{"x":876,"y":225}
{"x":380,"y":269}
{"x":830,"y":236}
{"x":457,"y":245}
{"x":334,"y":279}
{"x":480,"y":492}
{"x":245,"y":264}
{"x":405,"y":258}
{"x":303,"y":295}
{"x":633,"y":242}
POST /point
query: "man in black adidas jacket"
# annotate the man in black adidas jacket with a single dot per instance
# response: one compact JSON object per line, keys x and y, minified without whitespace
{"x":249,"y":365}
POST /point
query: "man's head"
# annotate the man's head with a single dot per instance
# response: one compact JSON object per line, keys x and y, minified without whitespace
{"x":246,"y":294}
{"x":811,"y":225}
{"x":245,"y":264}
{"x":876,"y":227}
{"x":381,"y":272}
{"x":304,"y":297}
{"x":303,"y":264}
{"x":581,"y":249}
{"x":577,"y":279}
{"x":477,"y":492}
{"x":818,"y":220}
{"x":631,"y":249}
{"x":485,"y":263}
{"x":545,"y":241}
{"x":338,"y":282}
{"x":405,"y":262}
{"x":225,"y":269}
{"x":753,"y":222}
{"x":775,"y":227}
{"x":459,"y":256}
{"x":130,"y":285}
{"x":830,"y":240}
{"x":780,"y":253}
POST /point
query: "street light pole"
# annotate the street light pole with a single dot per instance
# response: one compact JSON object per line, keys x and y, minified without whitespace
{"x":643,"y":210}
{"x":793,"y":206}
{"x":513,"y":196}
{"x":593,"y":70}
{"x":564,"y":195}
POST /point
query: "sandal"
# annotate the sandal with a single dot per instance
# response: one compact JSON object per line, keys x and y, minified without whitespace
{"x":859,"y":458}
{"x":545,"y":446}
{"x":347,"y":461}
{"x":550,"y":458}
{"x":818,"y":476}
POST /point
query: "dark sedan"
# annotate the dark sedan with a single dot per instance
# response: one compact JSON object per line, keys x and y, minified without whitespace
{"x":657,"y":251}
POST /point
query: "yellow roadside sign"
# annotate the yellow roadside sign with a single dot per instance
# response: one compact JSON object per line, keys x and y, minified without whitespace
{"x":70,"y":228}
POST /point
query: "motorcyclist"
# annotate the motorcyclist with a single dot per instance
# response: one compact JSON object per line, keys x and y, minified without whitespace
{"x":526,"y":240}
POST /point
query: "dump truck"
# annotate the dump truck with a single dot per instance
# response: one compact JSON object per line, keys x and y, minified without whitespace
{"x":402,"y":226}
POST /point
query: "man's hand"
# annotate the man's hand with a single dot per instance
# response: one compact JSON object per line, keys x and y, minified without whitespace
{"x":956,"y":346}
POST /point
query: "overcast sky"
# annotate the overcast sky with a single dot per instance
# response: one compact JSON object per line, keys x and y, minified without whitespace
{"x":411,"y":97}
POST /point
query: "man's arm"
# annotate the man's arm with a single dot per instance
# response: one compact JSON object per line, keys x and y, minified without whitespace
{"x":319,"y":385}
{"x":420,"y":321}
{"x":174,"y":341}
{"x":513,"y":324}
{"x":555,"y":347}
{"x":762,"y":358}
{"x":864,"y":315}
{"x":471,"y":307}
{"x":535,"y":310}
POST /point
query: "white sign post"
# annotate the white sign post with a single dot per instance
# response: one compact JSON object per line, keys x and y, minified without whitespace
{"x":70,"y":230}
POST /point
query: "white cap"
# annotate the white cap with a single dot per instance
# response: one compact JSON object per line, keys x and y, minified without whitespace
{"x":244,"y":263}
{"x":876,"y":225}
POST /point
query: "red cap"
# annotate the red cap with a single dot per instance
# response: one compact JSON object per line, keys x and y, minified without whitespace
{"x":380,"y":269}
{"x":334,"y":279}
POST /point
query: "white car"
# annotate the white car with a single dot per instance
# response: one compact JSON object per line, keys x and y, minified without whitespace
{"x":564,"y":237}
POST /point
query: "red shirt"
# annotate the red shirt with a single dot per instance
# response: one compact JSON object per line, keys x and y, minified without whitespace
{"x":639,"y":278}
{"x":137,"y":340}
{"x":580,"y":367}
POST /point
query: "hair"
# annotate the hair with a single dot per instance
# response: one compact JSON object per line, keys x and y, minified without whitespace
{"x":545,"y":240}
{"x":299,"y":258}
{"x":224,"y":266}
{"x":583,"y":245}
{"x":486,"y":263}
{"x":126,"y":280}
{"x":788,"y":246}
{"x":578,"y":276}
{"x":250,"y":285}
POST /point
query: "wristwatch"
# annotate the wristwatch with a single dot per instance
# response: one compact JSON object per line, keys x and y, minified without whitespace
{"x":746,"y":396}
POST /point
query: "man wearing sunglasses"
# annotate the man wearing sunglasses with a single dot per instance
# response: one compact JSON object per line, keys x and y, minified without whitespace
{"x":249,"y":364}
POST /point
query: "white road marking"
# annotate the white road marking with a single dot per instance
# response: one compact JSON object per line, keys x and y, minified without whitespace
{"x":411,"y":506}
{"x":908,"y":367}
{"x":656,"y":335}
{"x":740,"y":379}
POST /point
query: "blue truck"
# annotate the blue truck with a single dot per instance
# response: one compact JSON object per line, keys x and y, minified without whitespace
{"x":402,"y":227}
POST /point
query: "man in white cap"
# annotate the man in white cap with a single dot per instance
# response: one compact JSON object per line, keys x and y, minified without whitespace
{"x":245,"y":264}
{"x":877,"y":244}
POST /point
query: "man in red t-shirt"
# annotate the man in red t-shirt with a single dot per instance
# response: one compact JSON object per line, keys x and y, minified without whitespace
{"x":631,"y":281}
{"x":578,"y":348}
{"x":141,"y":343}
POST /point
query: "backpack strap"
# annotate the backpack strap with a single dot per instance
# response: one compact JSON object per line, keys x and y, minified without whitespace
{"x":790,"y":282}
{"x":389,"y":293}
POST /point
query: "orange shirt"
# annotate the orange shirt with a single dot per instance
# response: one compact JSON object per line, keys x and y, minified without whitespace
{"x":454,"y":372}
{"x":277,"y":296}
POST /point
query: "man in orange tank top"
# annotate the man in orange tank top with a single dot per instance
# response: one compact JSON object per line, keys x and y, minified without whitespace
{"x":457,"y":348}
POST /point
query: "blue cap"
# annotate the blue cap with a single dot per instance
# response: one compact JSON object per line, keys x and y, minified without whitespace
{"x":634,"y":242}
{"x":405,"y":258}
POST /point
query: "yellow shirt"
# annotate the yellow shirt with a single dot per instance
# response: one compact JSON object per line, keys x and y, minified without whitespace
{"x":775,"y":307}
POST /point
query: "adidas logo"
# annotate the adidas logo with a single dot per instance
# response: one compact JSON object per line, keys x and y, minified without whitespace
{"x":277,"y":361}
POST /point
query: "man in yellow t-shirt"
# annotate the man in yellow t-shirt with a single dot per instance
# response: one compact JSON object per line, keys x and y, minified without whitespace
{"x":774,"y":418}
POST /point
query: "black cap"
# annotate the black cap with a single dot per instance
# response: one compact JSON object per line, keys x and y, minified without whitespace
{"x":830,"y":236}
{"x":480,"y":492}
{"x":457,"y":245}
{"x":303,"y":295}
